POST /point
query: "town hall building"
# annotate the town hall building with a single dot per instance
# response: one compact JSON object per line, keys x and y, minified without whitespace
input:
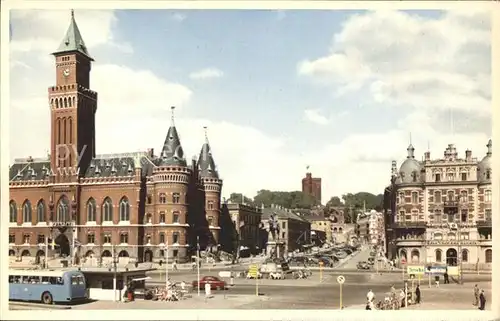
{"x":136,"y":206}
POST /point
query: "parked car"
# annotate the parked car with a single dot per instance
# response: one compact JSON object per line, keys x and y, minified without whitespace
{"x":363,"y":265}
{"x":215,"y":283}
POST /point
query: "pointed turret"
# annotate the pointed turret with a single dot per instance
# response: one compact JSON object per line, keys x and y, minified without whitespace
{"x":73,"y":40}
{"x":411,"y":151}
{"x":206,"y":163}
{"x":490,"y":148}
{"x":172,"y":153}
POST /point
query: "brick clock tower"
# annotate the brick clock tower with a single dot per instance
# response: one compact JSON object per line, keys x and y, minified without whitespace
{"x":73,"y":107}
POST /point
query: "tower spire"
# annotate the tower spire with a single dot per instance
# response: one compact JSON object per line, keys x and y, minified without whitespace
{"x":73,"y":40}
{"x":172,"y":116}
{"x":410,"y":138}
{"x":206,"y":134}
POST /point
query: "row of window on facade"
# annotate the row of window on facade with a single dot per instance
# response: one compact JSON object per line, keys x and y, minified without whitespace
{"x":415,"y":256}
{"x":438,"y":217}
{"x":439,"y":198}
{"x":63,"y":210}
{"x":451,"y":176}
{"x":176,"y":197}
{"x":107,"y":239}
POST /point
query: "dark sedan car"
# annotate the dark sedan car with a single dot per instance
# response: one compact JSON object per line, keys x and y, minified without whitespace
{"x":215,"y":283}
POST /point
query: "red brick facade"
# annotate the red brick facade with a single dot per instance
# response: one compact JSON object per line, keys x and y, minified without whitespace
{"x":139,"y":204}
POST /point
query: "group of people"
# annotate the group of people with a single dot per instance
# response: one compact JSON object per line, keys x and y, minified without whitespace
{"x":393,"y":301}
{"x":479,"y":298}
{"x":172,"y":293}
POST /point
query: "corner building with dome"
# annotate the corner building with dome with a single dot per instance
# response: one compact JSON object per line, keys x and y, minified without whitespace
{"x":135,"y":206}
{"x":440,"y":209}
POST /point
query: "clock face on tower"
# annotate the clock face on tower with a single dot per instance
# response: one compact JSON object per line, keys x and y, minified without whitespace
{"x":66,"y":72}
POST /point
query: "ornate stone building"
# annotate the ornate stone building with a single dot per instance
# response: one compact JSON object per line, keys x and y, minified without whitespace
{"x":139,"y":204}
{"x":441,"y":209}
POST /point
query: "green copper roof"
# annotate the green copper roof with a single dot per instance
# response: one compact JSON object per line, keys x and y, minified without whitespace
{"x":73,"y":40}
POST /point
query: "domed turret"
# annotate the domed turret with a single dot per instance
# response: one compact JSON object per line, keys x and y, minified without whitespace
{"x":409,"y":172}
{"x":484,"y":167}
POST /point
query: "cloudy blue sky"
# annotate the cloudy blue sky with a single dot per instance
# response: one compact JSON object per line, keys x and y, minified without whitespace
{"x":279,"y":90}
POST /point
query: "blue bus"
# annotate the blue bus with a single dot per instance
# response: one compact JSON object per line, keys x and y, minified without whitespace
{"x":47,"y":286}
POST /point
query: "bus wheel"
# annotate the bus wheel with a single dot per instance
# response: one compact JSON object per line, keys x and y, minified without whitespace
{"x":47,"y":298}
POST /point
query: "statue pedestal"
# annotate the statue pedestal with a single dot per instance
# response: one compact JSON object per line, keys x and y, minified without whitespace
{"x":277,"y":247}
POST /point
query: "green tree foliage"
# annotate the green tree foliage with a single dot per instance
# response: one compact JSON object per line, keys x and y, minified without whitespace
{"x":334,"y":201}
{"x":354,"y":204}
{"x":295,"y":199}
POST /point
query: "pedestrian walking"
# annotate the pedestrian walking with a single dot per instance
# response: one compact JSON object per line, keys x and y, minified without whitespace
{"x":402,"y":297}
{"x":446,"y":279}
{"x":476,"y":296}
{"x":174,"y":265}
{"x":370,"y":296}
{"x":482,"y":300}
{"x":417,"y":295}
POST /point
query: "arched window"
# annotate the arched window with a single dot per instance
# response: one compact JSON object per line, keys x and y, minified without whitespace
{"x":414,"y":197}
{"x":488,"y":256}
{"x":437,"y":197}
{"x":107,"y":210}
{"x":163,"y":198}
{"x":40,"y":211}
{"x":487,"y":196}
{"x":63,"y":210}
{"x":210,"y":205}
{"x":13,"y":212}
{"x":27,"y":212}
{"x":91,"y":210}
{"x":465,"y":256}
{"x":439,"y":255}
{"x":176,"y":198}
{"x":124,"y":210}
{"x":451,"y":196}
{"x":463,"y":196}
{"x":148,"y":219}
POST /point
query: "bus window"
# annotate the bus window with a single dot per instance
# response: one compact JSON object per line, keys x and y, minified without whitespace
{"x":81,"y":280}
{"x":12,"y":278}
{"x":45,"y":280}
{"x":59,"y":281}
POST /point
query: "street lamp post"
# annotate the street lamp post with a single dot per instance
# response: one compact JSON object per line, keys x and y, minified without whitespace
{"x":115,"y":262}
{"x":198,"y":262}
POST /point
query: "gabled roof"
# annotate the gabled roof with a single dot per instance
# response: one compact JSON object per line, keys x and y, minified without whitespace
{"x":29,"y":170}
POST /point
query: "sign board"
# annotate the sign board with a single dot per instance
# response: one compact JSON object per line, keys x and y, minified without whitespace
{"x":436,"y":270}
{"x":341,"y":279}
{"x":253,"y":271}
{"x":225,"y":274}
{"x":416,"y":269}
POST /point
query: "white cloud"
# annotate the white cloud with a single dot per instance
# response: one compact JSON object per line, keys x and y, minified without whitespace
{"x":42,"y":31}
{"x":314,"y":115}
{"x":206,"y":73}
{"x":407,"y":60}
{"x":178,"y":17}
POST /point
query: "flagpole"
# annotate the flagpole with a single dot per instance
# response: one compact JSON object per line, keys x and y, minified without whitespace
{"x":46,"y":252}
{"x":198,"y":261}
